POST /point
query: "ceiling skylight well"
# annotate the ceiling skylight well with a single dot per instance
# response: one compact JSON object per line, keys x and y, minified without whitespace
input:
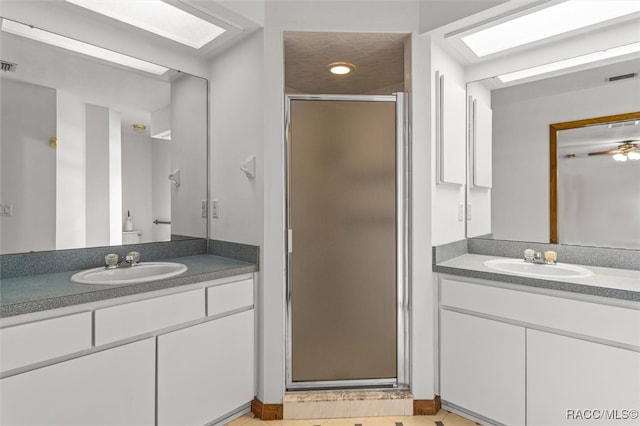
{"x":571,"y":62}
{"x":80,"y":47}
{"x":159,"y":18}
{"x":551,"y":21}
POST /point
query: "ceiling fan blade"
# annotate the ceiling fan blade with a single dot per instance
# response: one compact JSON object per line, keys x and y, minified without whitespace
{"x":610,"y":152}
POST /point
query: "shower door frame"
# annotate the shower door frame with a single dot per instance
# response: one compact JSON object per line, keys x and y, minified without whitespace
{"x":403,"y":245}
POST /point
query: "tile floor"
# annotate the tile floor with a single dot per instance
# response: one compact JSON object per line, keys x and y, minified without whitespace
{"x":443,"y":418}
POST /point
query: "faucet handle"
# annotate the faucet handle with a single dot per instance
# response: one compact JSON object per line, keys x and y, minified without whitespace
{"x":111,"y":260}
{"x":528,"y":255}
{"x":550,"y":257}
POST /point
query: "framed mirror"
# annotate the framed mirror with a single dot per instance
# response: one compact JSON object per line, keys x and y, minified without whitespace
{"x":97,"y":153}
{"x":594,"y":181}
{"x":517,"y":206}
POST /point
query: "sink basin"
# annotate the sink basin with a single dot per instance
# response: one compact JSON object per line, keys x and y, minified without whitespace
{"x":520,"y":267}
{"x":142,"y":272}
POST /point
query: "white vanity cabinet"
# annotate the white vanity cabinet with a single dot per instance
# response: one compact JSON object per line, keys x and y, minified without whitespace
{"x":483,"y":366}
{"x":110,"y":387}
{"x":515,"y":355}
{"x":206,"y":371}
{"x":179,"y":356}
{"x":569,"y":378}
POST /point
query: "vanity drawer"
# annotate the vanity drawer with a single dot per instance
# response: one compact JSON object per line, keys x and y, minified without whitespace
{"x":612,"y":323}
{"x":132,"y":319}
{"x":38,"y":341}
{"x":227,"y":297}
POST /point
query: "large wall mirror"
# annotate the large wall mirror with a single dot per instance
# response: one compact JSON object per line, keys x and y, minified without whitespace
{"x":87,"y":143}
{"x":524,"y":168}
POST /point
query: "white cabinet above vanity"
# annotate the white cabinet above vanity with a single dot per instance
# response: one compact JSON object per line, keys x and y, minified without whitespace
{"x":514,"y":355}
{"x":152,"y":358}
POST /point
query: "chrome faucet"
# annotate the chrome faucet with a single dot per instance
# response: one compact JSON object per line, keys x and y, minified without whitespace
{"x":132,"y":259}
{"x":549,"y":257}
{"x":537,"y":258}
{"x":114,"y":261}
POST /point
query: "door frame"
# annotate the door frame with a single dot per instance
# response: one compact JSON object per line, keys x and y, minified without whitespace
{"x":403,"y":245}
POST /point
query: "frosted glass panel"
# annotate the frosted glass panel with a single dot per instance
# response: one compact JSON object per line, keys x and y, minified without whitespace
{"x":342,"y":188}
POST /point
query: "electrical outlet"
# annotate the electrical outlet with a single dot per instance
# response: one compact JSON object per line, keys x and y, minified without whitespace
{"x":215,"y":209}
{"x":203,"y":206}
{"x":6,"y":209}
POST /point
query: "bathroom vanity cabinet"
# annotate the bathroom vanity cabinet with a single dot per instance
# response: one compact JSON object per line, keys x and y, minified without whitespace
{"x":185,"y":358}
{"x":516,"y":355}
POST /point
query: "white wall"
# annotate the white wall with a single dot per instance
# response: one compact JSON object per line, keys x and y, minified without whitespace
{"x":520,"y":192}
{"x":423,"y":299}
{"x":446,"y":198}
{"x":28,"y":121}
{"x":137,"y":182}
{"x":237,"y":133}
{"x":161,"y":188}
{"x":71,"y":181}
{"x":97,"y":207}
{"x":188,"y":154}
{"x":600,"y":202}
{"x":115,"y":178}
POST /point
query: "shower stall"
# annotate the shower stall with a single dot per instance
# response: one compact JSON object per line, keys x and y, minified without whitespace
{"x":347,"y":214}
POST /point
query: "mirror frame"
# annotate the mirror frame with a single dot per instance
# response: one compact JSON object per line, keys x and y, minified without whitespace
{"x":553,"y":160}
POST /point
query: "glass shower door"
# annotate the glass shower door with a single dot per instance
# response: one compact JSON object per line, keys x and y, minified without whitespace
{"x":342,"y":219}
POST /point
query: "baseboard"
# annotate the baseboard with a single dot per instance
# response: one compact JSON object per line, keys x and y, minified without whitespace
{"x":426,"y":407}
{"x":266,"y":411}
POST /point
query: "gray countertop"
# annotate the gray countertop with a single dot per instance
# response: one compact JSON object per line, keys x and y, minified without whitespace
{"x":606,"y":282}
{"x":23,"y":295}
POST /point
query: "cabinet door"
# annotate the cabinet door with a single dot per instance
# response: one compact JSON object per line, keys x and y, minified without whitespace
{"x":113,"y":387}
{"x":451,"y":130}
{"x":206,"y":371}
{"x":482,"y":366}
{"x":568,"y":377}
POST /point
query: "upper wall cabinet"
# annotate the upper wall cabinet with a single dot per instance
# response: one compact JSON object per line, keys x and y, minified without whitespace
{"x":450,"y":130}
{"x":480,"y":129}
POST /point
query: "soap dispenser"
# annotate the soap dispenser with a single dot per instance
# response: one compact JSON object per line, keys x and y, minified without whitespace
{"x":128,"y":224}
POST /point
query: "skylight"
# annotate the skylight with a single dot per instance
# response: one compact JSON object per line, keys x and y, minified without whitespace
{"x":551,"y":21}
{"x":159,"y":18}
{"x":571,"y":62}
{"x":80,"y":47}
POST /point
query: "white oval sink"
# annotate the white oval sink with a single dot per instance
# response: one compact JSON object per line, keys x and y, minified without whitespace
{"x":142,"y":272}
{"x":520,"y":267}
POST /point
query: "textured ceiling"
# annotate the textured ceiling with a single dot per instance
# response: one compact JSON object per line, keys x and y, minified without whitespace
{"x":378,"y":58}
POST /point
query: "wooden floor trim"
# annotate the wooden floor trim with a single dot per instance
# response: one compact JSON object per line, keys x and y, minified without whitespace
{"x":426,"y":407}
{"x":267,"y":411}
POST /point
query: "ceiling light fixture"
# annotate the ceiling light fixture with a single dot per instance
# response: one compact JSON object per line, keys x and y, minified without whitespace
{"x":139,"y":128}
{"x":159,"y":18}
{"x":544,"y":23}
{"x":341,"y":68}
{"x":36,"y":34}
{"x":571,"y":62}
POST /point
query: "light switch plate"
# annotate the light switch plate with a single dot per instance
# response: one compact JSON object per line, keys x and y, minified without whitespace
{"x":215,"y":209}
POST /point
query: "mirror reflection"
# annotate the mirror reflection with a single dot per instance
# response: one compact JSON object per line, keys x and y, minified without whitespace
{"x":521,"y":168}
{"x":95,"y":153}
{"x":598,"y":170}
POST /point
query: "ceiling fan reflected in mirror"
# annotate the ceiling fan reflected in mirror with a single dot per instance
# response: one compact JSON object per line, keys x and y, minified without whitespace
{"x":627,"y":150}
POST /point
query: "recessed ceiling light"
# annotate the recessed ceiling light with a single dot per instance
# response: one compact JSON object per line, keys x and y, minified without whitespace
{"x":571,"y":62}
{"x":159,"y":18}
{"x":341,"y":68}
{"x":80,"y":47}
{"x":557,"y":19}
